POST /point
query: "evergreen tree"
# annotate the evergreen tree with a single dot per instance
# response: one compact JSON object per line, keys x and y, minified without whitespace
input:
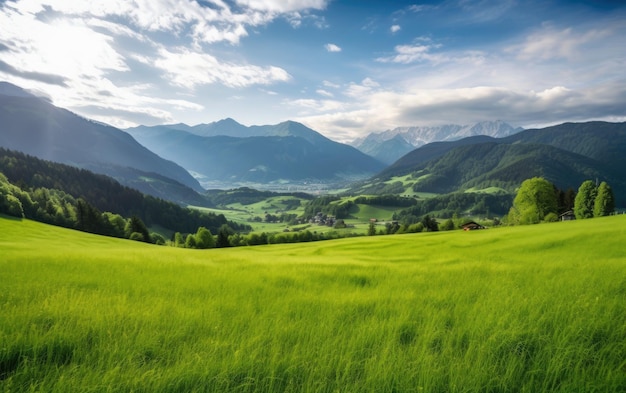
{"x":569,"y":199}
{"x":135,"y":225}
{"x":585,"y":199}
{"x":604,"y":203}
{"x":222,"y":236}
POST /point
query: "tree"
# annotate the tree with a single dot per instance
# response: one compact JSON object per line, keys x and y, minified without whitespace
{"x":179,"y":241}
{"x":535,"y":200}
{"x":204,"y":238}
{"x":190,"y":241}
{"x":448,"y":225}
{"x":430,"y":224}
{"x":604,"y":203}
{"x":222,"y":236}
{"x":157,"y":238}
{"x":585,"y":199}
{"x":11,"y":206}
{"x":371,"y":231}
{"x":136,"y":225}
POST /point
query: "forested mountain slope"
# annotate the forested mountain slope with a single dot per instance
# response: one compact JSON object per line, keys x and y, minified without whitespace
{"x":36,"y":127}
{"x":287,"y":151}
{"x":102,"y":192}
{"x":565,"y":155}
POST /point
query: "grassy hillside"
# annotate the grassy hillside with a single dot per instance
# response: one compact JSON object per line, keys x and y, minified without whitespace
{"x":519,"y":309}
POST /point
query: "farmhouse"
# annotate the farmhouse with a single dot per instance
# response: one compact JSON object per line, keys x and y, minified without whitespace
{"x":470,"y":226}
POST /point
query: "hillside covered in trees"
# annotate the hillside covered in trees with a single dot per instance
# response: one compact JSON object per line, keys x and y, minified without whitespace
{"x":566,"y":155}
{"x":71,"y":197}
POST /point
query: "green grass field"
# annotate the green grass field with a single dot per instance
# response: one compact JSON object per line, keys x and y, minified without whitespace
{"x":516,"y":309}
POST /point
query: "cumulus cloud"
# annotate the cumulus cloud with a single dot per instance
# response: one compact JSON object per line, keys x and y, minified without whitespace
{"x":332,"y":48}
{"x":395,"y":28}
{"x":190,"y":69}
{"x":102,"y":57}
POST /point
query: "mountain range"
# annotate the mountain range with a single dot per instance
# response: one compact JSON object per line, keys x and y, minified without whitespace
{"x":34,"y":126}
{"x":566,"y":155}
{"x":234,"y":154}
{"x":388,"y":146}
{"x":230,"y":153}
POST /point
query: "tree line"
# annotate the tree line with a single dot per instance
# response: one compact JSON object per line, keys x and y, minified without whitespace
{"x":538,"y":200}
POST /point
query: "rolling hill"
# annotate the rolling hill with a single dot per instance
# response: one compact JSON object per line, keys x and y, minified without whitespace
{"x":233,"y":153}
{"x":36,"y":127}
{"x":537,"y":308}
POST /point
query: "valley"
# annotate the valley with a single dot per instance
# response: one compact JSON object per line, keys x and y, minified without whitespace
{"x":283,"y":280}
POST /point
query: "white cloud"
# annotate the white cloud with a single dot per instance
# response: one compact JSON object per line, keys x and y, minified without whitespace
{"x":395,"y":28}
{"x":324,"y":93}
{"x":549,"y":43}
{"x":101,"y":59}
{"x":190,"y":69}
{"x":331,"y":84}
{"x":307,"y":106}
{"x":383,"y":109}
{"x":358,"y":90}
{"x":406,"y":54}
{"x":417,"y":8}
{"x":284,"y":6}
{"x":332,"y":48}
{"x":64,"y":47}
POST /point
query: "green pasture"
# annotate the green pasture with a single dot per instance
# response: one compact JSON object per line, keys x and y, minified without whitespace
{"x":246,"y":213}
{"x":516,"y":309}
{"x":488,"y":190}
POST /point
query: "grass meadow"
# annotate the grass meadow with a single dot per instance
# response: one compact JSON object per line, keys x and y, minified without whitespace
{"x":516,"y":309}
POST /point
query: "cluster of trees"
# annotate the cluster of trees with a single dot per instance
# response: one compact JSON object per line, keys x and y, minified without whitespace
{"x":538,"y":200}
{"x":426,"y":224}
{"x":386,"y":200}
{"x":226,"y":237}
{"x":59,"y":208}
{"x":592,"y":201}
{"x":455,"y":204}
{"x":328,"y":205}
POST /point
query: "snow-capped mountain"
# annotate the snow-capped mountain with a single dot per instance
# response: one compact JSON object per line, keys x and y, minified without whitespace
{"x":378,"y":146}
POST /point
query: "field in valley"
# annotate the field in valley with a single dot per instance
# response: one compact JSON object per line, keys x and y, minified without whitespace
{"x":515,"y":309}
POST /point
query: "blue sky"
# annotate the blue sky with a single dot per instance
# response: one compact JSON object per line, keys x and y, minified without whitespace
{"x":344,"y":68}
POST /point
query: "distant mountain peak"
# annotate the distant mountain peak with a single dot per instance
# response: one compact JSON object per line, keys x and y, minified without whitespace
{"x":227,"y":121}
{"x":377,"y":144}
